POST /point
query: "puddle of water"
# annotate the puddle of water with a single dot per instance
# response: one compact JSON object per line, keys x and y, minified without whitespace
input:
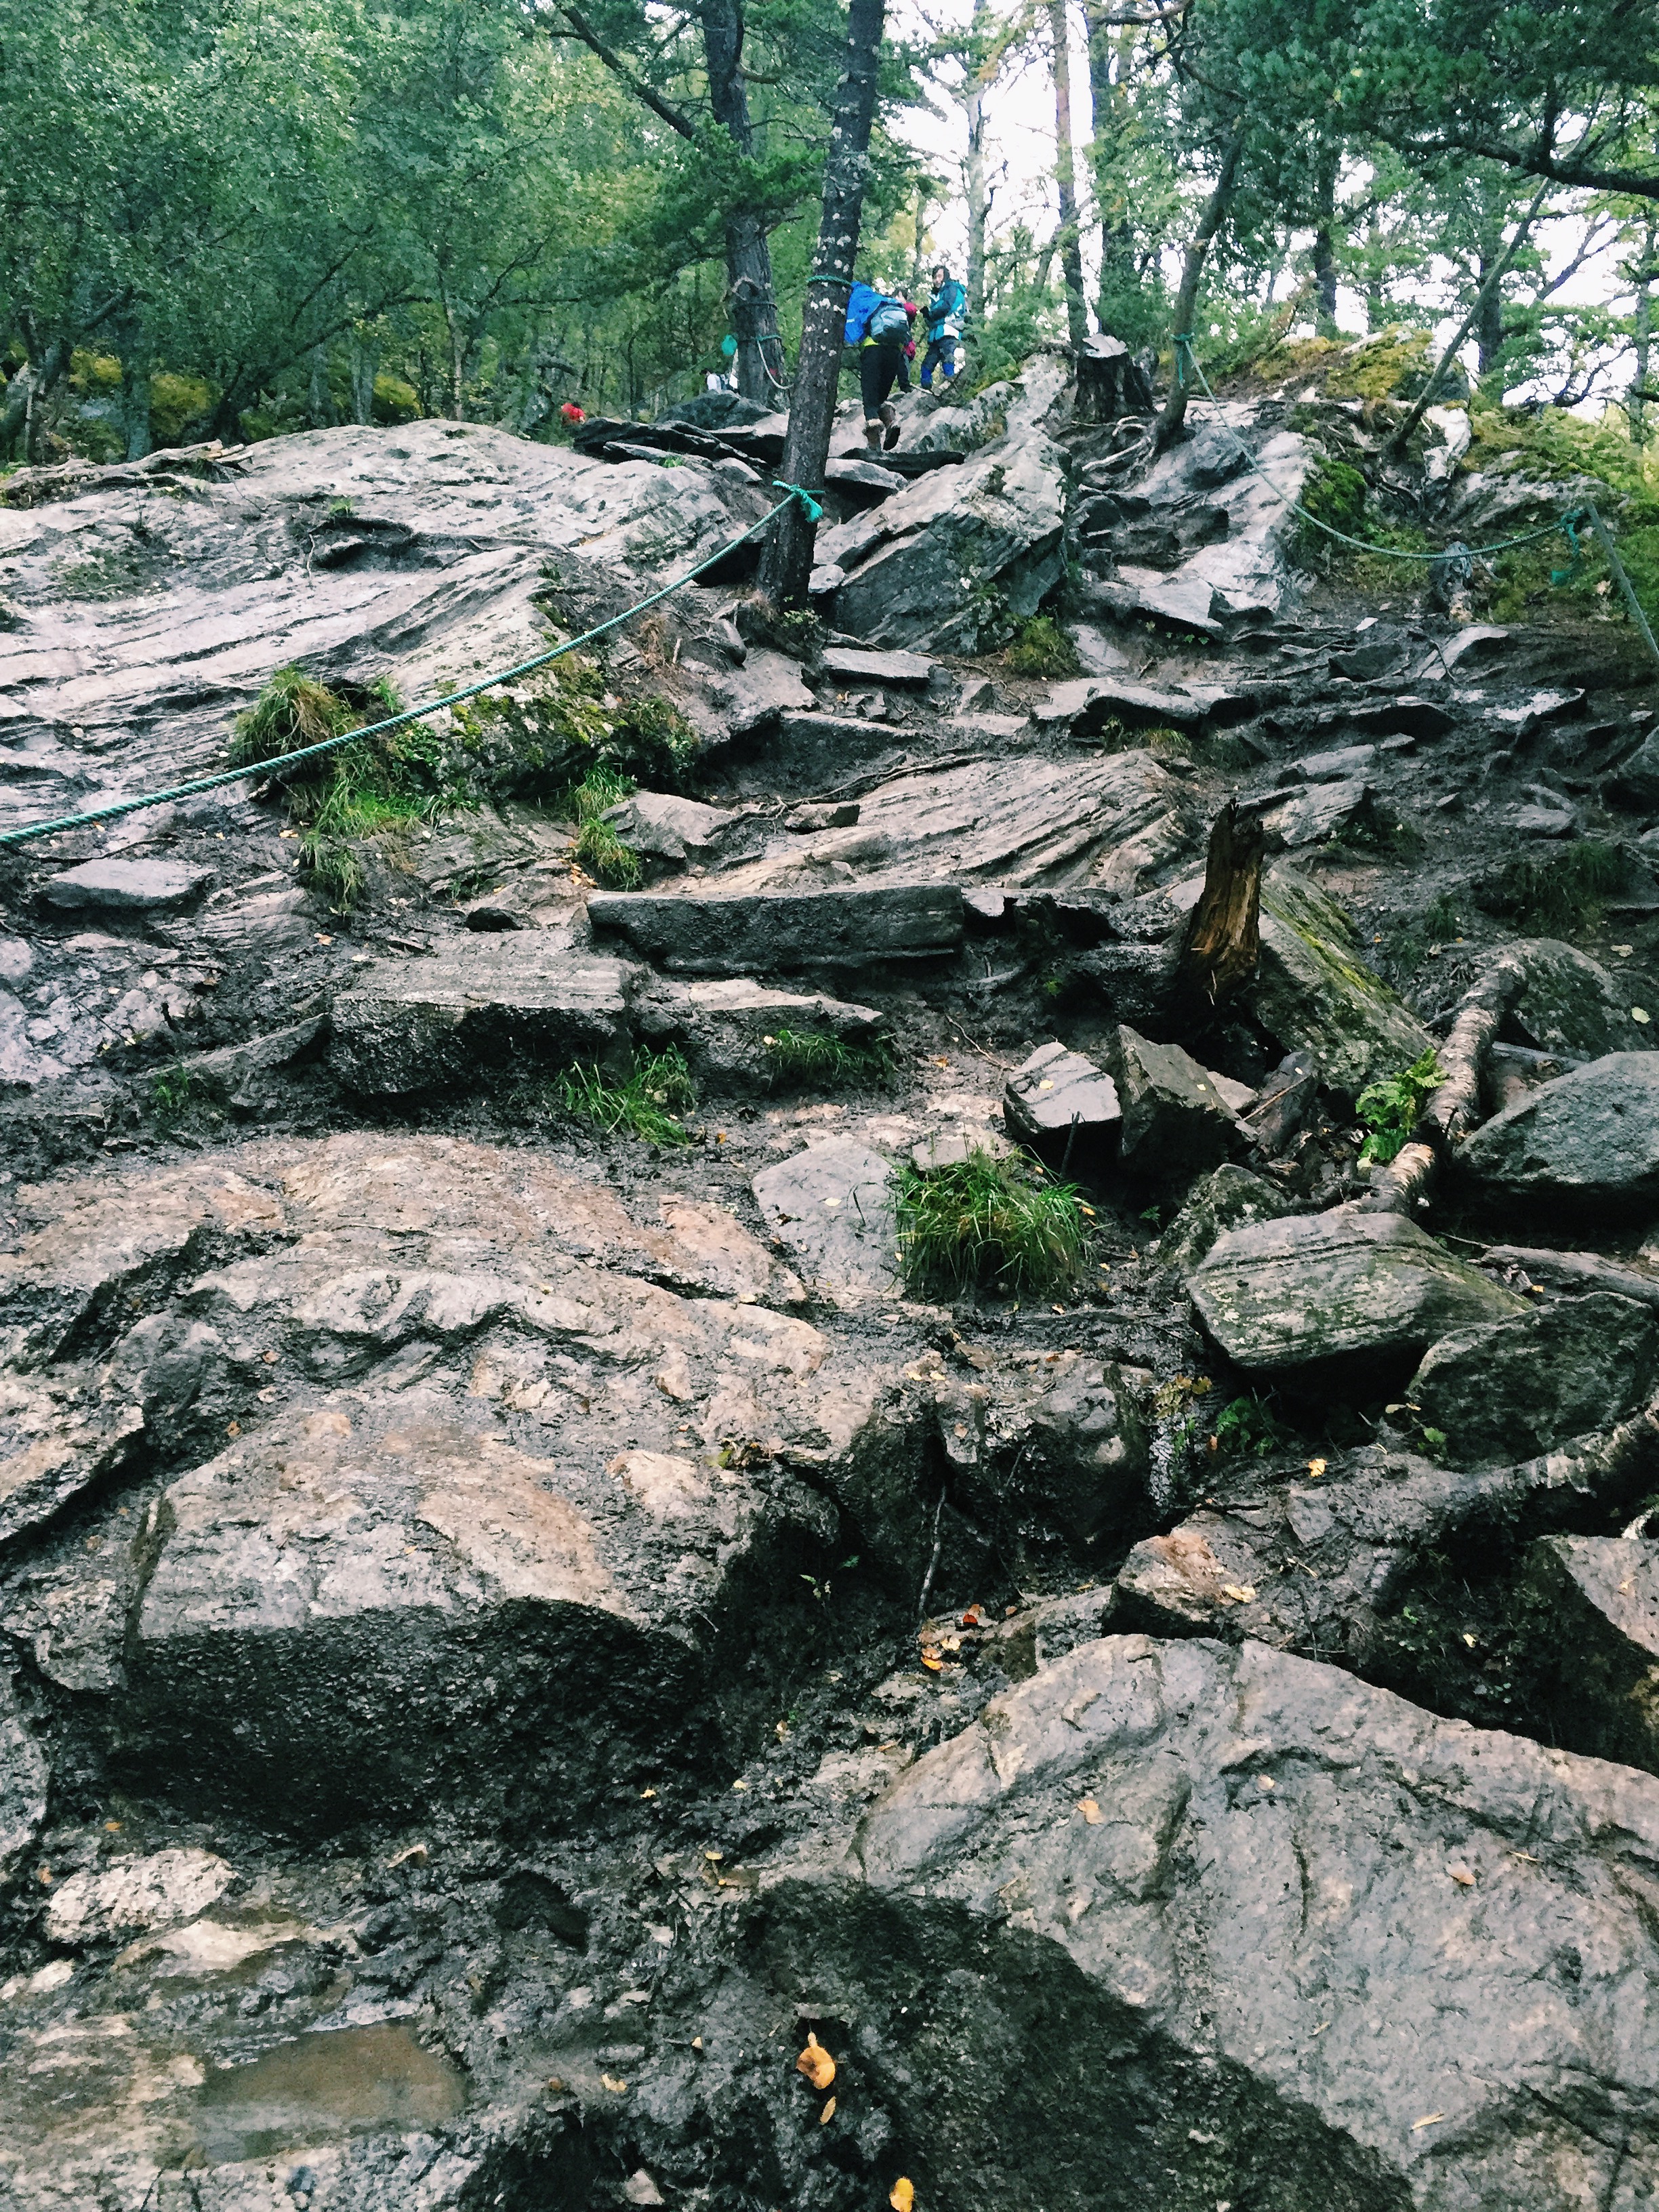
{"x":332,"y":2082}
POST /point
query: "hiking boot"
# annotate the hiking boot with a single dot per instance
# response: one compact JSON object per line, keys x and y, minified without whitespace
{"x":872,"y":436}
{"x":890,"y":418}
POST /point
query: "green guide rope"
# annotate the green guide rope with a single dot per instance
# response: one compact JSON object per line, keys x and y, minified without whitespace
{"x":256,"y":770}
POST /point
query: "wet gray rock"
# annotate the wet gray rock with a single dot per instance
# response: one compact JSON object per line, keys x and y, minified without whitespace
{"x":681,"y":832}
{"x":832,"y":1206}
{"x":1365,"y":1288}
{"x":1295,"y":1908}
{"x":1057,"y":1093}
{"x":1175,"y":1122}
{"x":1057,"y":1447}
{"x":1597,"y":1635}
{"x":126,"y":886}
{"x":1229,"y":1197}
{"x":1312,"y":991}
{"x":844,"y":665}
{"x":24,"y":1774}
{"x":521,"y":1000}
{"x":135,"y":1895}
{"x":821,"y":814}
{"x":1569,"y":1002}
{"x":726,"y":1026}
{"x":755,"y":698}
{"x":1591,"y":1135}
{"x":1509,"y":1389}
{"x":1341,"y":766}
{"x":722,"y":933}
{"x":1086,"y":703}
{"x":239,"y":1073}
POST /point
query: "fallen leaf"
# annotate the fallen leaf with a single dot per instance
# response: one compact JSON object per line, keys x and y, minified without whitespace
{"x":816,"y":2064}
{"x":902,"y":2196}
{"x":555,"y":2084}
{"x":696,"y":2042}
{"x":1090,"y":1811}
{"x":610,"y":2081}
{"x":416,"y":1854}
{"x":932,"y":1662}
{"x":1240,"y":1593}
{"x":233,"y":1428}
{"x":1461,"y":1875}
{"x":739,"y":1786}
{"x":321,"y":940}
{"x":827,"y":2114}
{"x":1640,"y":1014}
{"x":1316,"y":1467}
{"x":648,"y":1793}
{"x":1427,"y":2121}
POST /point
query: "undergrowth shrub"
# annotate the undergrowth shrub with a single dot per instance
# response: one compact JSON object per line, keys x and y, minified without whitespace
{"x":642,"y":1103}
{"x":989,"y":1225}
{"x":1556,"y":891}
{"x":1391,"y":1109}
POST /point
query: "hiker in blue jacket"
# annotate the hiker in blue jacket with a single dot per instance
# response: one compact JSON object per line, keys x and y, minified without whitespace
{"x":944,"y":309}
{"x":878,"y":326}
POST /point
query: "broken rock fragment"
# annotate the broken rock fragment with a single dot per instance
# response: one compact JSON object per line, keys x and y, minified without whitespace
{"x":1591,"y":1135}
{"x":1508,"y":1390}
{"x":832,"y":1206}
{"x":1369,"y":1288}
{"x":1598,"y":1632}
{"x":1058,"y":1097}
{"x":1175,"y":1122}
{"x":1323,"y":1947}
{"x":721,"y":934}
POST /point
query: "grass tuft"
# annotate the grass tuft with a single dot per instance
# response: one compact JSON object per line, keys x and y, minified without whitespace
{"x":641,"y":1104}
{"x":816,"y":1056}
{"x":1042,"y":648}
{"x":1556,"y":891}
{"x":376,"y":789}
{"x":989,"y":1224}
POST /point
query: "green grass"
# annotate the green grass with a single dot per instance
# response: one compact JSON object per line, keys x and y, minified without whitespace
{"x":1556,"y":891}
{"x":170,"y":1093}
{"x":989,"y":1224}
{"x":1042,"y":648}
{"x":815,"y":1056}
{"x":377,"y":789}
{"x":641,"y":1104}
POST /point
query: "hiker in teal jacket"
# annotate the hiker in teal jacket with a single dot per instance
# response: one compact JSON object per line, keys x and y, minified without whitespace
{"x":944,"y":316}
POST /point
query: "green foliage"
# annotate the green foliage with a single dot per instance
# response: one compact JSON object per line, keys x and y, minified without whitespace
{"x":1334,"y":494}
{"x":1249,"y":1428}
{"x":170,"y":1093}
{"x":375,"y":789}
{"x":818,"y":1057}
{"x":606,"y":859}
{"x":1042,"y":648}
{"x":988,"y":1225}
{"x":1391,"y":1109}
{"x":1557,"y":891}
{"x":568,"y":733}
{"x":642,"y":1104}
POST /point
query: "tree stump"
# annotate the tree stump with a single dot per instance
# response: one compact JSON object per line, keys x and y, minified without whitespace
{"x":1223,"y":941}
{"x":1109,"y":382}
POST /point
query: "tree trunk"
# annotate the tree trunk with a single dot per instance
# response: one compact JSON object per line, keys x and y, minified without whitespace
{"x":1376,"y":298}
{"x":1324,"y":255}
{"x":1107,"y":104}
{"x":135,"y":394}
{"x":748,"y":253}
{"x":20,"y":403}
{"x":787,"y":556}
{"x":1489,"y":307}
{"x":319,"y":404}
{"x":977,"y":192}
{"x":1173,"y":419}
{"x":1068,"y":239}
{"x":1643,"y":335}
{"x":365,"y":363}
{"x":1397,"y":444}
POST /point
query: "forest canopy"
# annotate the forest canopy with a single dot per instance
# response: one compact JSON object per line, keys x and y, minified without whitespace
{"x":245,"y":216}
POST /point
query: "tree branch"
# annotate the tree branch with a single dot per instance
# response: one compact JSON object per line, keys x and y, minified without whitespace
{"x":613,"y":61}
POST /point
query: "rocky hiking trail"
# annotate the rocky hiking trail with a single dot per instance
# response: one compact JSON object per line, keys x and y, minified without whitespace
{"x":528,"y":1610}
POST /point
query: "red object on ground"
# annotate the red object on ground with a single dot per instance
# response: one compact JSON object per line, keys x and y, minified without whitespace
{"x":572,"y":413}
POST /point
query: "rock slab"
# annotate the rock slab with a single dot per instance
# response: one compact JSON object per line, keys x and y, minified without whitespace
{"x":1590,"y":1135}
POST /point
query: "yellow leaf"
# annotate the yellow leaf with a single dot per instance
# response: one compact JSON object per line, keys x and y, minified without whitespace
{"x":1316,"y":1467}
{"x":902,"y":2196}
{"x":932,"y":1662}
{"x":1240,"y":1593}
{"x":648,"y":1793}
{"x":610,"y":2083}
{"x":1427,"y":2121}
{"x":827,"y":2114}
{"x":1090,"y":1811}
{"x":816,"y":2064}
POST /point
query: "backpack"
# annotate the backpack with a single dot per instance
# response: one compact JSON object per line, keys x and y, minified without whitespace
{"x":889,"y":321}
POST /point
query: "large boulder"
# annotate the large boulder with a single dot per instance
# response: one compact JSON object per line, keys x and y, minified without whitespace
{"x":1569,"y":1002}
{"x":1509,"y":1389}
{"x":1590,"y":1136}
{"x":1312,"y":989}
{"x":1176,"y":1123}
{"x":1367,"y":1289}
{"x":734,"y":933}
{"x":924,"y":569}
{"x":1286,"y":1939}
{"x":1598,"y":1635}
{"x":1230,"y":1197}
